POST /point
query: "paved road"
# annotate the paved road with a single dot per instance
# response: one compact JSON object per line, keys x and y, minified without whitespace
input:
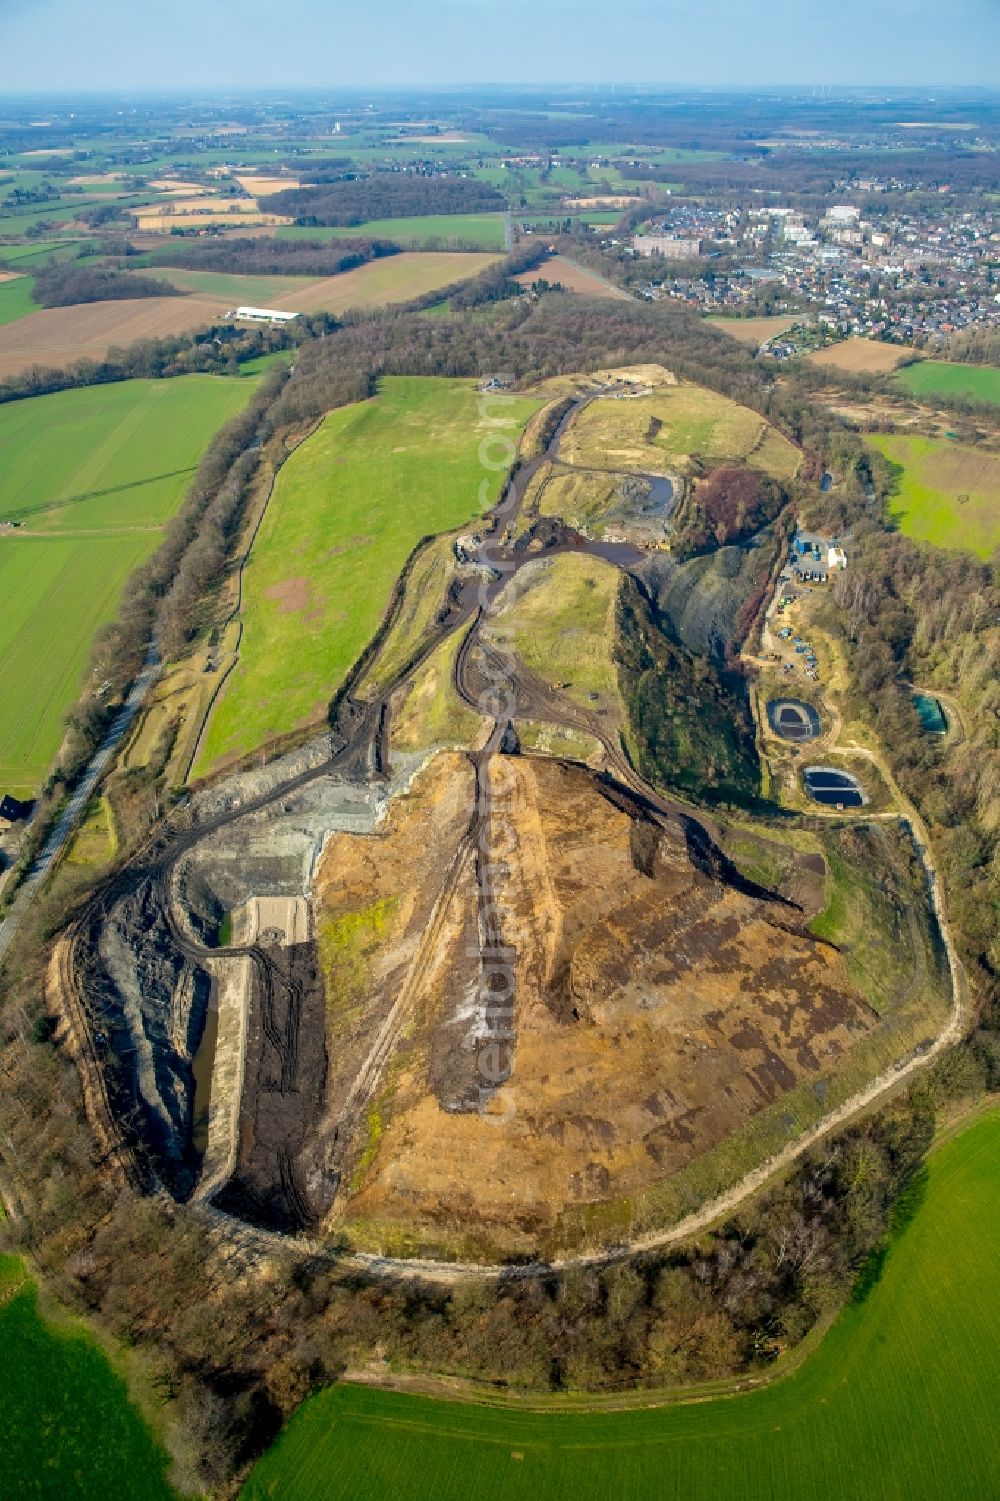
{"x":72,"y":813}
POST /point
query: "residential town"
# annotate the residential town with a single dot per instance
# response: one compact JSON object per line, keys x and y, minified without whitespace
{"x":909,"y":277}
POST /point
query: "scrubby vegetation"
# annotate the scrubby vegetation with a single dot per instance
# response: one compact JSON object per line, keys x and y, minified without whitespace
{"x":728,"y":504}
{"x":689,"y":724}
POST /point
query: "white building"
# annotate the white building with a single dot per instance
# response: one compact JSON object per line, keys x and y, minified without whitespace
{"x":671,"y":247}
{"x":260,"y":315}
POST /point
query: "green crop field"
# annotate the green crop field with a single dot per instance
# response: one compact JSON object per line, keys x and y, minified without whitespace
{"x":898,"y":1403}
{"x":235,"y":290}
{"x":483,"y":231}
{"x":91,"y":476}
{"x":348,"y":508}
{"x":19,"y":256}
{"x":15,"y":299}
{"x":67,"y":1428}
{"x":941,"y":378}
{"x":946,"y":494}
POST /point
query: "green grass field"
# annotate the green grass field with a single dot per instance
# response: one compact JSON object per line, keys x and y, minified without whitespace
{"x":942,"y":378}
{"x":260,"y":364}
{"x":15,"y":299}
{"x":18,"y":257}
{"x":484,"y":231}
{"x":257,"y":291}
{"x":898,"y":1403}
{"x":67,"y":1428}
{"x":946,"y":493}
{"x":91,"y":475}
{"x":348,"y":508}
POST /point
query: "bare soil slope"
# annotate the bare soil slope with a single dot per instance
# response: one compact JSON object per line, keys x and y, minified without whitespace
{"x":660,"y":1003}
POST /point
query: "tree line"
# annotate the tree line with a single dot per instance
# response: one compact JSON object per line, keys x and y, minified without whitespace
{"x":263,"y":255}
{"x":387,"y":195}
{"x":73,"y":282}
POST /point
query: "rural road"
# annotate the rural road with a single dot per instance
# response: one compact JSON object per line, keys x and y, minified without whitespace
{"x":68,"y":819}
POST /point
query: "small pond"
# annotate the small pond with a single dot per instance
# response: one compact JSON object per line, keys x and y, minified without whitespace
{"x":932,"y":716}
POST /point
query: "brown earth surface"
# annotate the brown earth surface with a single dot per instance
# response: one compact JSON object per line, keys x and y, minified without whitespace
{"x":658,"y":1007}
{"x":865,"y":356}
{"x":573,"y":278}
{"x":61,"y":335}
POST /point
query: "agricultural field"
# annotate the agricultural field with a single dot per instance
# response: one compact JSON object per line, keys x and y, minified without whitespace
{"x":20,"y":257}
{"x":862,"y":356}
{"x":390,"y":279}
{"x":67,"y":1427}
{"x":753,"y":331}
{"x":897,"y":1401}
{"x":396,"y":278}
{"x":348,"y":508}
{"x":60,"y":336}
{"x":229,"y":289}
{"x":942,"y":378}
{"x":572,"y":278}
{"x":91,"y":476}
{"x":15,"y":298}
{"x":484,"y":231}
{"x":660,"y":433}
{"x":946,"y":493}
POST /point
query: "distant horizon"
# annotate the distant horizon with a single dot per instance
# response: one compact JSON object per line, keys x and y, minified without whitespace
{"x":212,"y":45}
{"x":241,"y":90}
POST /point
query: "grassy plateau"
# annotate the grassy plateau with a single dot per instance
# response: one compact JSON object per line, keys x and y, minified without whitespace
{"x":349,"y":506}
{"x":91,"y":476}
{"x":899,"y":1402}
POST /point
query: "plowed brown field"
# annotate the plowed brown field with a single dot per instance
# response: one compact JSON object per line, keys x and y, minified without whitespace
{"x":58,"y":336}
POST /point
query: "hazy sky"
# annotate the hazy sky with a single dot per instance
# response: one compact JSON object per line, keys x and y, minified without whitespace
{"x":221,"y":44}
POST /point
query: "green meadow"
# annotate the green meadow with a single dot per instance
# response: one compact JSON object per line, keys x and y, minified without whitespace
{"x":899,"y":1402}
{"x":943,"y":378}
{"x":15,"y":299}
{"x":236,"y":290}
{"x":945,"y":493}
{"x":482,"y":231}
{"x":348,"y":508}
{"x":91,"y":476}
{"x":17,"y":257}
{"x":67,"y":1427}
